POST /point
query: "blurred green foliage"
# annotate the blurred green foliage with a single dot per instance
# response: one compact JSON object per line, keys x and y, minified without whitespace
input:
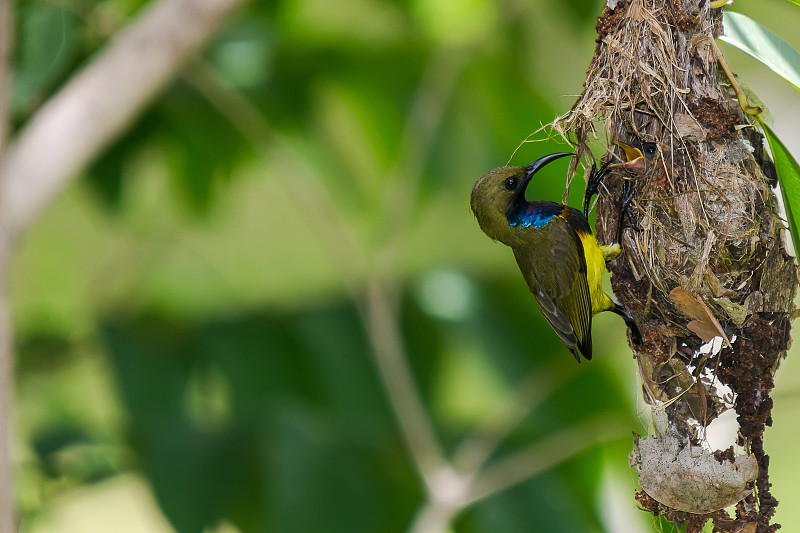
{"x":192,"y":311}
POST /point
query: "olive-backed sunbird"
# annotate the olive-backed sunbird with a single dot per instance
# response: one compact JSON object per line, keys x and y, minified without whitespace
{"x":555,"y":249}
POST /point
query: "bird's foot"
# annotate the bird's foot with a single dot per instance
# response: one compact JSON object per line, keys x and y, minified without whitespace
{"x":624,"y":312}
{"x":636,"y":335}
{"x":624,"y":204}
{"x":593,"y":185}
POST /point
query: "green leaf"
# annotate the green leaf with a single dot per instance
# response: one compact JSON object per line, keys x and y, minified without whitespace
{"x":46,"y":48}
{"x":304,"y":426}
{"x":754,"y":39}
{"x":789,"y":177}
{"x":202,"y":145}
{"x":107,"y":177}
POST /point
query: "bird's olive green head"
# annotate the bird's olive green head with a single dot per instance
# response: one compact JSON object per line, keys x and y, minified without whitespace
{"x":498,"y":191}
{"x":492,"y":195}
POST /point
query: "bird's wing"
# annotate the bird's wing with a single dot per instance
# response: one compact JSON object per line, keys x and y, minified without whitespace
{"x":559,"y":322}
{"x":555,"y":270}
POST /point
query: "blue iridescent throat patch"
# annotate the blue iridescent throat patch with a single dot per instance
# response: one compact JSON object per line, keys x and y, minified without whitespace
{"x":537,"y":216}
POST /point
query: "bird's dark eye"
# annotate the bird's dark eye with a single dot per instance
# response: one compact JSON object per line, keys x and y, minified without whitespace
{"x":648,"y":149}
{"x":510,"y":183}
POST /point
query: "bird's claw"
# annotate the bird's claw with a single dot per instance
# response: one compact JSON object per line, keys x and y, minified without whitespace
{"x":596,"y":177}
{"x":624,"y":204}
{"x":593,"y":185}
{"x":626,"y":196}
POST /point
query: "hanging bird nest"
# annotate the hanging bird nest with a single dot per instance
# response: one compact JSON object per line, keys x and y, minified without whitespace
{"x":706,"y":274}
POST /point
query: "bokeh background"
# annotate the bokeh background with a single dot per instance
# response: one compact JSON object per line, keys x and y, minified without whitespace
{"x":214,"y":324}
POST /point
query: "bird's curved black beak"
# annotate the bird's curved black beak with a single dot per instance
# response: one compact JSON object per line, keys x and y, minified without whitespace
{"x":534,"y":167}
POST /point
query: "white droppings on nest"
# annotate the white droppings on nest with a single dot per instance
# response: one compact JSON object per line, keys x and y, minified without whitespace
{"x":722,"y":432}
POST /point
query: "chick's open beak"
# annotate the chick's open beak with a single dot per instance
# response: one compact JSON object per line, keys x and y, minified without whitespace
{"x":635,"y":160}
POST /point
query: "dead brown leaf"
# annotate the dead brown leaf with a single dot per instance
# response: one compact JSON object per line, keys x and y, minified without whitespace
{"x":705,"y":324}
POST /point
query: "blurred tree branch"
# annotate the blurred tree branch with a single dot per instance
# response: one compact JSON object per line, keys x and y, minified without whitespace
{"x":463,"y":488}
{"x":96,"y":106}
{"x":475,"y":450}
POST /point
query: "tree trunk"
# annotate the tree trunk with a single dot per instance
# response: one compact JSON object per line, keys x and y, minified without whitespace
{"x":706,"y":274}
